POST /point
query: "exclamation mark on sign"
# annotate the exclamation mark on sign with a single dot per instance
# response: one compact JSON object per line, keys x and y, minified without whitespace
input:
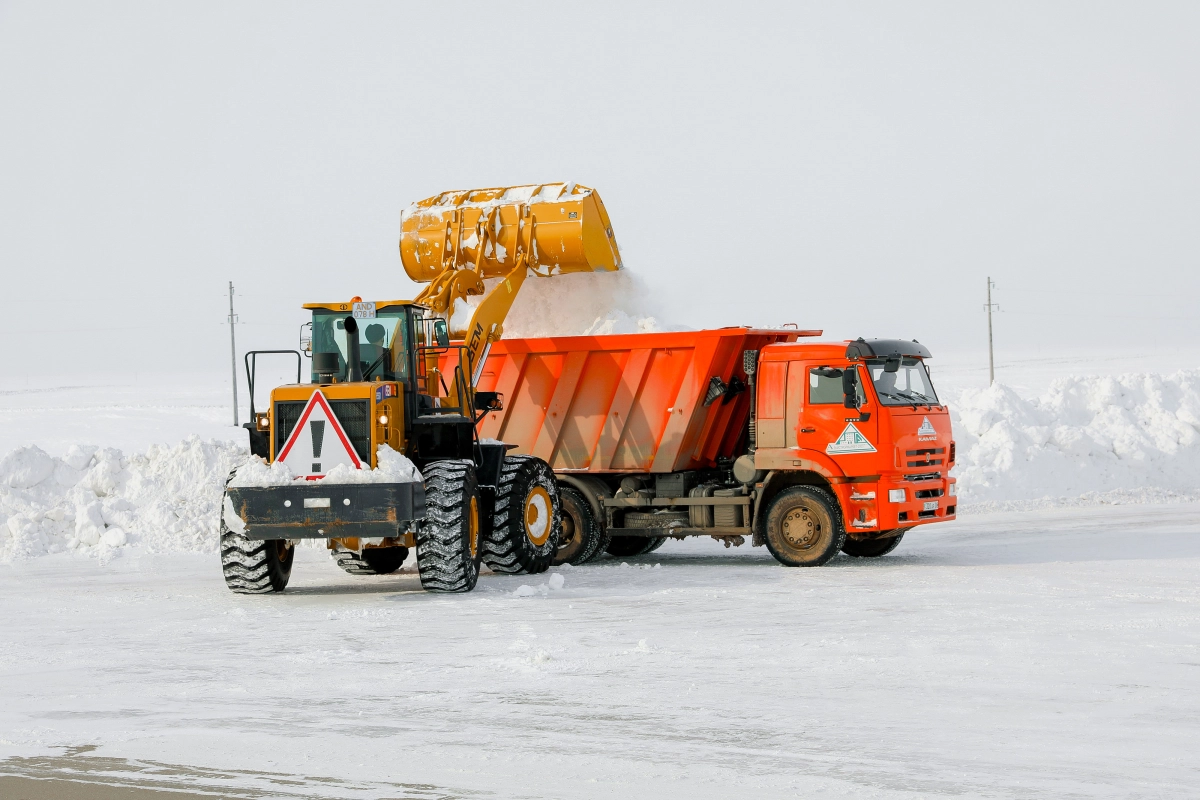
{"x":317,"y":428}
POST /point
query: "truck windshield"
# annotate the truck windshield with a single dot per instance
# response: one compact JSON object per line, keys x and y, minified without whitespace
{"x":383,"y":342}
{"x":908,"y":386}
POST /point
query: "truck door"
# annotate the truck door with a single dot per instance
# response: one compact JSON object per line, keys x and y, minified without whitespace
{"x":827,"y":426}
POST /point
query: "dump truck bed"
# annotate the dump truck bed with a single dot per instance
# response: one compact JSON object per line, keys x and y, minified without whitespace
{"x":624,"y":403}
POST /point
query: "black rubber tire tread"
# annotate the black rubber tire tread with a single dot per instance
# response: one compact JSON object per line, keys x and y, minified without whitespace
{"x":629,"y":546}
{"x":812,"y":496}
{"x":373,"y":561}
{"x":599,"y":491}
{"x":253,"y":566}
{"x":576,"y":506}
{"x":444,"y":560}
{"x":871,"y":548}
{"x":506,"y":547}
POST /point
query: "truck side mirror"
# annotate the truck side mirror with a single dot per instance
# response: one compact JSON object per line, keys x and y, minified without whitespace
{"x":441,"y":333}
{"x":850,"y":388}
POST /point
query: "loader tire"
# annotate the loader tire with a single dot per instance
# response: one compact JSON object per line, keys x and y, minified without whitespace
{"x":627,"y":546}
{"x":253,"y":566}
{"x":582,"y":533}
{"x":871,"y":548}
{"x":527,"y":523}
{"x":804,"y":527}
{"x":372,"y":561}
{"x":449,"y":538}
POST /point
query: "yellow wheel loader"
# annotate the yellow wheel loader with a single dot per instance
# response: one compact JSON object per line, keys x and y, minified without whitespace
{"x":375,"y":389}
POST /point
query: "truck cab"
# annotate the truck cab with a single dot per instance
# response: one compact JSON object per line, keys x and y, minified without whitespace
{"x":863,"y":415}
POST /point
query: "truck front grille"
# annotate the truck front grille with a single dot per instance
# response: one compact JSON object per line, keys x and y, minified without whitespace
{"x":354,"y":415}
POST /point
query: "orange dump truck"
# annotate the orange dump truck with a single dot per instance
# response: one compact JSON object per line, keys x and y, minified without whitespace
{"x":806,"y":447}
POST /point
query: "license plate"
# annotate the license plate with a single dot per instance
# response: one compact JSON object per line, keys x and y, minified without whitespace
{"x":930,"y":505}
{"x":323,"y":502}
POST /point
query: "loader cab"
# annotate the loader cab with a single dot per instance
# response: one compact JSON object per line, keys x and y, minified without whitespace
{"x":384,"y":335}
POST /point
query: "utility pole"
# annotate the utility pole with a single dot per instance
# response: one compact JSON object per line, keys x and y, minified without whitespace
{"x":990,"y":306}
{"x":233,"y":354}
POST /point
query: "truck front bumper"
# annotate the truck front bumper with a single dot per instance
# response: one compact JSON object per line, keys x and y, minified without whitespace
{"x":326,"y":511}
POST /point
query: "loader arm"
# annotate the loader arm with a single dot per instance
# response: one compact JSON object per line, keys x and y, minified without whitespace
{"x":457,"y":240}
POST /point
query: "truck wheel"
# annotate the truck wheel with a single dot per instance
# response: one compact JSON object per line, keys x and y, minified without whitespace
{"x":804,"y":527}
{"x":373,"y":561}
{"x":871,"y":548}
{"x":625,"y":546}
{"x":253,"y":566}
{"x":448,"y":540}
{"x":527,"y":525}
{"x":581,"y":531}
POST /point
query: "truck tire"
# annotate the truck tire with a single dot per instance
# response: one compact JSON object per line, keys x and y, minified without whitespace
{"x":373,"y":561}
{"x":582,"y":534}
{"x":448,"y":539}
{"x":872,"y":548}
{"x":527,"y":523}
{"x":804,"y":527}
{"x":253,"y":566}
{"x":627,"y":546}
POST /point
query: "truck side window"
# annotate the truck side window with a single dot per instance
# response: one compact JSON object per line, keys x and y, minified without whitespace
{"x":824,"y":389}
{"x":825,"y":386}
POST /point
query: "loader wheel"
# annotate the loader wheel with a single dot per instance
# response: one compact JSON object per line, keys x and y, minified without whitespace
{"x":625,"y":546}
{"x":527,"y":523}
{"x":581,"y":531}
{"x":253,"y":566}
{"x":804,"y":527}
{"x":872,"y":548}
{"x":448,"y":540}
{"x":373,"y":561}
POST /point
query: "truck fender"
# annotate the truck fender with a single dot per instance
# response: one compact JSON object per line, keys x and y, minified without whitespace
{"x":775,"y":482}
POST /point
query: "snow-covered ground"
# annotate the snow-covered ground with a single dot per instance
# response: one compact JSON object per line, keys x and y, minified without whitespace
{"x":1044,"y":644}
{"x":1036,"y":654}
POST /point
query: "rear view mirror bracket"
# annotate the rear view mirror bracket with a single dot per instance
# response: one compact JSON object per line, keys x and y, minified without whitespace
{"x":850,"y":388}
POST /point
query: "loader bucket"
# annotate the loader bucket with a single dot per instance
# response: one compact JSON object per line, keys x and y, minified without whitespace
{"x":571,"y":231}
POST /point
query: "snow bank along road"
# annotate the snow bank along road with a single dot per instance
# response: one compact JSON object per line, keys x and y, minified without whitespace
{"x":1032,"y":654}
{"x":1133,"y":438}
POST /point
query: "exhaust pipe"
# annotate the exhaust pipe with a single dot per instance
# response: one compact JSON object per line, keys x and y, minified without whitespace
{"x":354,"y":368}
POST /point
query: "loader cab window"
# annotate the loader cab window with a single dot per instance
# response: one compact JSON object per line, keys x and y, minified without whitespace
{"x":906,"y":383}
{"x":383,"y":342}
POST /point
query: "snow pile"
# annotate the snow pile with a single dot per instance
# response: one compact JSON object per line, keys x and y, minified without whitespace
{"x":392,"y":467}
{"x":95,"y":500}
{"x":576,"y":304}
{"x":1132,"y":438}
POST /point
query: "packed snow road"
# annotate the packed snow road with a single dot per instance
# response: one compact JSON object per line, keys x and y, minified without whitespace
{"x":1006,"y":655}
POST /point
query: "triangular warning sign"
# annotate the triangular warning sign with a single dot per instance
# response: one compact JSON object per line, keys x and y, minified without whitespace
{"x":851,"y":441}
{"x":318,"y":443}
{"x":926,"y":429}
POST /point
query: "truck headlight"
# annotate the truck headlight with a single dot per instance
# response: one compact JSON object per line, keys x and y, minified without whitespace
{"x":954,"y":490}
{"x":896,"y":495}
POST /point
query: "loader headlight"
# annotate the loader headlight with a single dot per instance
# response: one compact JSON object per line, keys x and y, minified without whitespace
{"x":896,"y":495}
{"x":383,"y":419}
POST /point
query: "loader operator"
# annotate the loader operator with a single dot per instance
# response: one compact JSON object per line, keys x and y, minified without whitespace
{"x":375,"y":353}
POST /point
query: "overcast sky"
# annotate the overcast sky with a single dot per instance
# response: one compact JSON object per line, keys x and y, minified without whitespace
{"x":859,"y":167}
